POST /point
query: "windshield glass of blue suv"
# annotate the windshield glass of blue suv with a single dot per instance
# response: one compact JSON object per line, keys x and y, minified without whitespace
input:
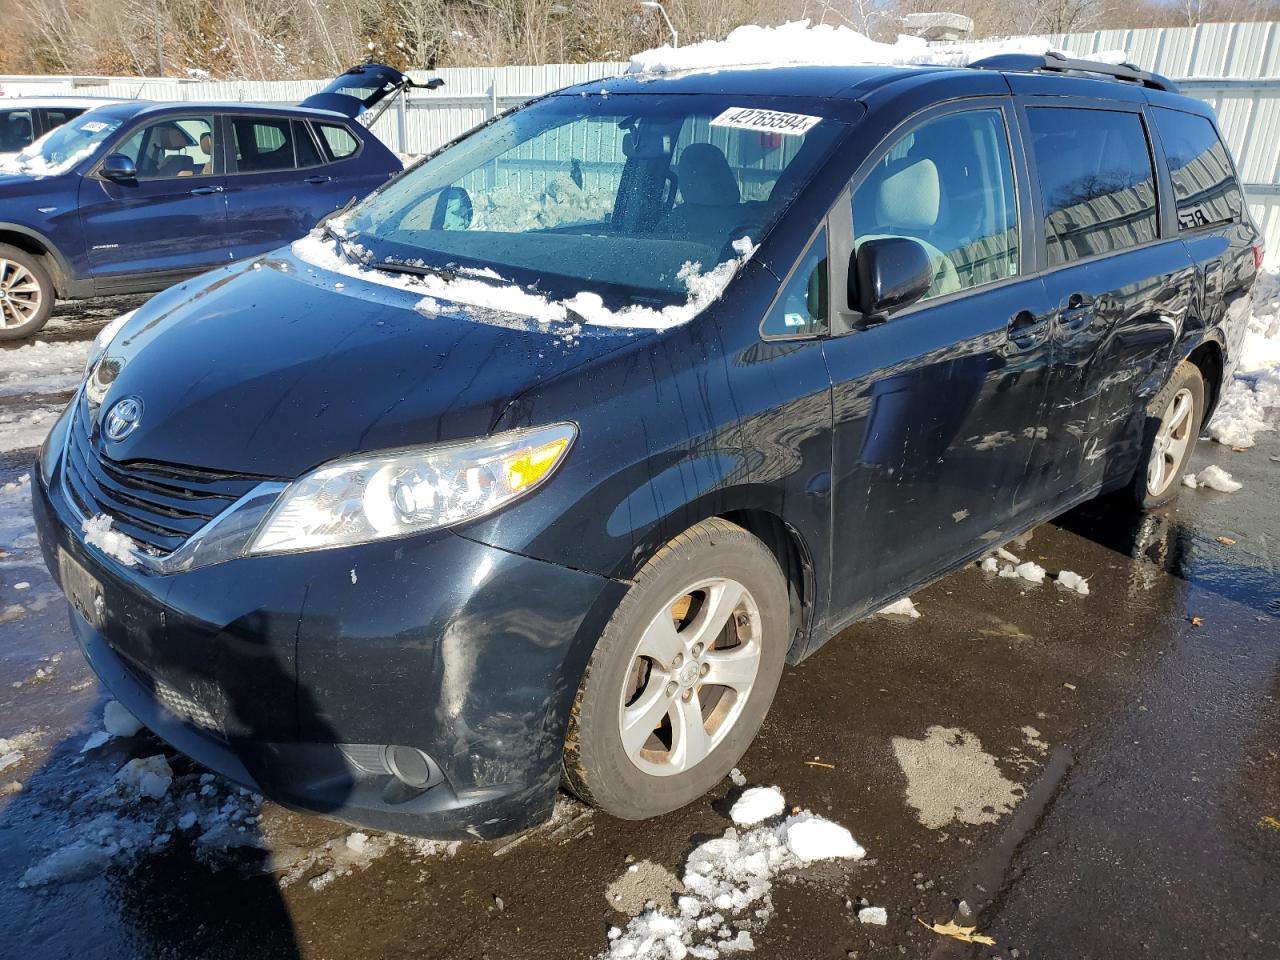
{"x":632,"y":197}
{"x":66,"y":146}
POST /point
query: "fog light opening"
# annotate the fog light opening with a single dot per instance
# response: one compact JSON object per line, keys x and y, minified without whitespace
{"x":409,"y":765}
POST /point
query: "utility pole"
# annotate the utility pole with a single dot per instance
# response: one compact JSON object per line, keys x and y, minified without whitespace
{"x":155,"y":6}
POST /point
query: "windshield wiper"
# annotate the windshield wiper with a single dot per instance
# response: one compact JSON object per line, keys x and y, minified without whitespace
{"x":416,"y":269}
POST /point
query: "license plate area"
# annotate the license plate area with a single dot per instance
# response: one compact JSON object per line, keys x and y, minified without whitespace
{"x":82,"y":589}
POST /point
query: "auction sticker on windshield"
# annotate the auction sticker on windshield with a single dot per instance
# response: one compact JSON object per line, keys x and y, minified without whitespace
{"x":766,"y":121}
{"x":93,"y":126}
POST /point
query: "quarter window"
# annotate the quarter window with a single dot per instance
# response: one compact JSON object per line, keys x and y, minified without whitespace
{"x":172,"y":147}
{"x":1096,"y":181}
{"x":262,"y":144}
{"x":801,"y":310}
{"x":308,"y":155}
{"x":1204,"y":187}
{"x":338,"y":141}
{"x":949,"y":186}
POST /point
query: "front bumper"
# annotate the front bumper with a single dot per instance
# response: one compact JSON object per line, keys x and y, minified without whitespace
{"x":278,"y":671}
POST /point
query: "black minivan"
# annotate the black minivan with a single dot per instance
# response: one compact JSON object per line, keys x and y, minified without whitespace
{"x":537,"y":466}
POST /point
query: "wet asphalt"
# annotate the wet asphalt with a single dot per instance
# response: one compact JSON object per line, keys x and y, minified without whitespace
{"x":1138,"y":726}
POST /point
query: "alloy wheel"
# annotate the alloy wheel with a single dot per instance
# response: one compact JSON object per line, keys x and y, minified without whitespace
{"x":1171,"y":442}
{"x":690,"y":677}
{"x":20,"y":294}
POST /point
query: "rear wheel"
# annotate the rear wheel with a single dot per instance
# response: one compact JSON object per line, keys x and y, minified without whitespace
{"x":682,"y":676}
{"x":26,"y":293}
{"x":1173,"y":426}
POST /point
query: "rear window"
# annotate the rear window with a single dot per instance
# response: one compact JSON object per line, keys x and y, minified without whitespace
{"x":1096,"y":181}
{"x":1204,"y":187}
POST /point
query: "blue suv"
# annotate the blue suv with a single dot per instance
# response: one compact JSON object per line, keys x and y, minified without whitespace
{"x":136,"y":196}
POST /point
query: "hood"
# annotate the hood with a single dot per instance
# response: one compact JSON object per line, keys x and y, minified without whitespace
{"x":274,"y":367}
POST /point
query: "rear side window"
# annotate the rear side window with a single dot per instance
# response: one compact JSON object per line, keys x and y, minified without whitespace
{"x":1204,"y":186}
{"x":1096,"y":181}
{"x":305,"y":147}
{"x":262,"y":144}
{"x":338,"y":141}
{"x":948,"y":185}
{"x":57,"y":117}
{"x":17,"y":129}
{"x":801,"y":310}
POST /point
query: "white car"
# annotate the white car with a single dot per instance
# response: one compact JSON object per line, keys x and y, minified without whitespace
{"x":26,"y":119}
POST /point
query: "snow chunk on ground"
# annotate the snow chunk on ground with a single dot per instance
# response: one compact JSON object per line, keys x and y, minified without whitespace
{"x":799,"y":43}
{"x":1189,"y":480}
{"x":990,"y":565}
{"x":876,"y":916}
{"x":900,"y":608}
{"x":118,"y":546}
{"x":118,"y":721}
{"x":146,"y":777}
{"x":1030,"y":571}
{"x":728,"y":883}
{"x":1215,"y":478}
{"x":756,"y":804}
{"x":1073,"y":581}
{"x":812,"y":838}
{"x":26,"y":429}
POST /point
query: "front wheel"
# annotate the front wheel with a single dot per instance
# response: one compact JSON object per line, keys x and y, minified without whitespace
{"x":26,"y":293}
{"x":1172,"y":428}
{"x":682,"y":676}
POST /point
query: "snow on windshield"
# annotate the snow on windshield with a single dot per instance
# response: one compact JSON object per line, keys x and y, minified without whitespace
{"x":703,"y":287}
{"x":800,"y":43}
{"x":59,"y":150}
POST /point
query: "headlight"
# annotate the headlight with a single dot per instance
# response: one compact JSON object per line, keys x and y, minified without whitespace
{"x":103,"y":340}
{"x":412,"y":490}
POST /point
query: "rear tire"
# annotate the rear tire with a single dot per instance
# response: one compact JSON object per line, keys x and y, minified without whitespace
{"x":651,"y":730}
{"x":26,"y":293}
{"x":1173,"y":426}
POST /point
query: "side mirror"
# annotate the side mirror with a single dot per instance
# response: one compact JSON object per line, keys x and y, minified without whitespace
{"x":118,"y":168}
{"x":888,"y":273}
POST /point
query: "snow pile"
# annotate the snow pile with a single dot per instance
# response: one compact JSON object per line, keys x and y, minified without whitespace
{"x":139,"y":810}
{"x":21,"y":430}
{"x":1245,"y":404}
{"x":703,"y":288}
{"x":757,"y":804}
{"x":900,"y":608}
{"x":42,"y":368}
{"x":728,"y":885}
{"x":1073,"y":581}
{"x":798,"y":42}
{"x":118,"y":546}
{"x":1215,"y":478}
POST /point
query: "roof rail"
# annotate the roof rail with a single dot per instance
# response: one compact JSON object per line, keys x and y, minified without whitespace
{"x":1056,"y":62}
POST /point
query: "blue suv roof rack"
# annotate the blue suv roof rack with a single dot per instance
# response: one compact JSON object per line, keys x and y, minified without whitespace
{"x":1055,"y":62}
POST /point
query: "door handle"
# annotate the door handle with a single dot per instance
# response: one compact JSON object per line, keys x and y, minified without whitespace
{"x":1079,"y":312}
{"x":317,"y":179}
{"x":1026,"y":330}
{"x":205,"y":191}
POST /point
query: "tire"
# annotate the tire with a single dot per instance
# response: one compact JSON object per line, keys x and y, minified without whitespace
{"x":677,"y":598}
{"x":1170,"y":434}
{"x":26,"y":293}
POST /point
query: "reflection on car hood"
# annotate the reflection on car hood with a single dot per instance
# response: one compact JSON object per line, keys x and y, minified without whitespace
{"x":272,"y":368}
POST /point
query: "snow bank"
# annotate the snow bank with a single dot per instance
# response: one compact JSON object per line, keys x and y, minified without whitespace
{"x":703,"y":288}
{"x":728,"y":885}
{"x":98,"y":533}
{"x":26,"y":430}
{"x":756,"y":804}
{"x":1246,"y":404}
{"x":800,"y":43}
{"x":1215,"y":478}
{"x":42,"y":368}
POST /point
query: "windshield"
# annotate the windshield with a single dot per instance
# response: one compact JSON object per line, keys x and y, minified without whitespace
{"x":61,"y":149}
{"x":629,"y":197}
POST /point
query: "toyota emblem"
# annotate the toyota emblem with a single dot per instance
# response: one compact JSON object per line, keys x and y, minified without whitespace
{"x":123,"y":418}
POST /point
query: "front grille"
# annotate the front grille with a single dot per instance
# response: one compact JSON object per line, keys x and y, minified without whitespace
{"x":157,"y":504}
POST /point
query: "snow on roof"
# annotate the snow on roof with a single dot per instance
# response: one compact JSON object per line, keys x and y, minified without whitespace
{"x":799,"y":42}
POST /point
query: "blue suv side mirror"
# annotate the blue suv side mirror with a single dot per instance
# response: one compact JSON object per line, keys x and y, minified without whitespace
{"x":119,"y":168}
